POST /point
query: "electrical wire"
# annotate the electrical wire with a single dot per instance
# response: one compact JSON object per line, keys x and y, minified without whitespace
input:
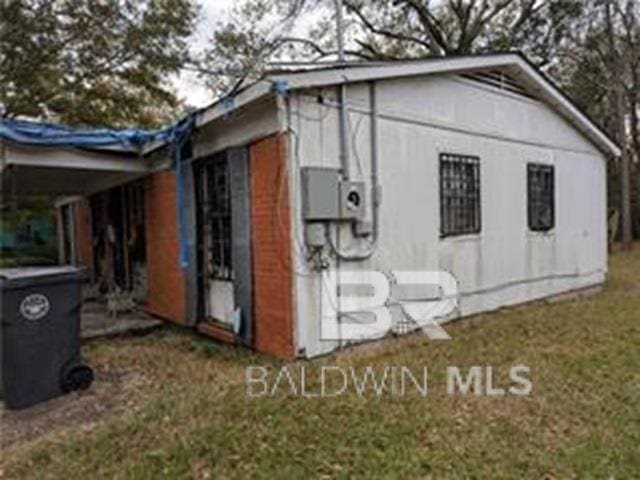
{"x":354,"y":146}
{"x":299,"y":246}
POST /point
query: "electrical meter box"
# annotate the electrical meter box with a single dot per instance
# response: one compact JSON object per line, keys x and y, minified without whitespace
{"x":351,"y":200}
{"x":326,"y":197}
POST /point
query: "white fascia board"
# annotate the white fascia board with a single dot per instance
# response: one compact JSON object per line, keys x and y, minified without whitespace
{"x":221,"y":108}
{"x":62,"y":201}
{"x":567,"y":109}
{"x":225,"y":106}
{"x":336,"y":76}
{"x":72,"y":159}
{"x":447,"y":65}
{"x":153,"y":146}
{"x":319,"y":78}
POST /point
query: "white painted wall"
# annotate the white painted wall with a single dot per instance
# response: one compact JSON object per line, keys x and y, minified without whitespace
{"x":419,"y":118}
{"x":240,"y":127}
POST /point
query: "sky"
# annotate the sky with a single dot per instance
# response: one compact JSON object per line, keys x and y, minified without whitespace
{"x":188,"y":85}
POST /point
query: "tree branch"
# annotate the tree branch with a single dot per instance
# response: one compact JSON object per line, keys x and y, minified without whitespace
{"x":437,"y":43}
{"x":382,"y":31}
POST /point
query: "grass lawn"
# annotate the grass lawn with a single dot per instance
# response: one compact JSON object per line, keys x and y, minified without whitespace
{"x":186,"y":412}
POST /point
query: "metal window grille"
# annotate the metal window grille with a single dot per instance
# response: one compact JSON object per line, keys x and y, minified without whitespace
{"x":218,"y":211}
{"x":460,"y":210}
{"x":541,"y":193}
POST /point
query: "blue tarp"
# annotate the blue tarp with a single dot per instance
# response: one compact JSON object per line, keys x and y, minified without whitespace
{"x":126,"y":140}
{"x":52,"y":135}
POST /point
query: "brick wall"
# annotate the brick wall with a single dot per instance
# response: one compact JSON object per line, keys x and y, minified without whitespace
{"x":166,"y":280}
{"x":271,"y":244}
{"x":82,"y":234}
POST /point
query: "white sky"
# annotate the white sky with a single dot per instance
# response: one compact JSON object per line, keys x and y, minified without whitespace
{"x":188,"y":85}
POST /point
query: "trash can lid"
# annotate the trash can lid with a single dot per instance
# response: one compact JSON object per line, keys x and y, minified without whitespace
{"x":22,"y":273}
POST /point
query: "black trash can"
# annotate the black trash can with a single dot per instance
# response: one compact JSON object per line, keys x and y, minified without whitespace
{"x":40,"y":334}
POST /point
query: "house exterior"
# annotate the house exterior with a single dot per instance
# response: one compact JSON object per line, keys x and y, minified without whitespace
{"x":477,"y":166}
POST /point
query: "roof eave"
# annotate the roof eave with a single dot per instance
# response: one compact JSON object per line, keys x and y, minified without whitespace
{"x":539,"y":83}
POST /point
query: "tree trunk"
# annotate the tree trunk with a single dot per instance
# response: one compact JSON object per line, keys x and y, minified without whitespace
{"x":625,"y":177}
{"x":617,"y":69}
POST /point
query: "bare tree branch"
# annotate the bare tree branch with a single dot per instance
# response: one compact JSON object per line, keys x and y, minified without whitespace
{"x":382,"y":31}
{"x":437,"y":43}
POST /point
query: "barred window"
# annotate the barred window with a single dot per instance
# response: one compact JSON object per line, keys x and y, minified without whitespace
{"x":459,"y":195}
{"x":541,"y":193}
{"x":218,"y":218}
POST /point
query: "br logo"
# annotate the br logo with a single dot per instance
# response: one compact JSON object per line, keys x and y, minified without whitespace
{"x":35,"y":306}
{"x":350,"y":315}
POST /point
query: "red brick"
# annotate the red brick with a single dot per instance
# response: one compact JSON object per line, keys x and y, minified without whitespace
{"x":166,"y":280}
{"x":271,"y":244}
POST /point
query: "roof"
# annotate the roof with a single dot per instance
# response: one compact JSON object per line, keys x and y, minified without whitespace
{"x":516,"y":65}
{"x":518,"y":68}
{"x":42,"y":134}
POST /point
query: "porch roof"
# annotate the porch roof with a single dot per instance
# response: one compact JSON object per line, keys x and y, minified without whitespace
{"x":62,"y":171}
{"x":48,"y":159}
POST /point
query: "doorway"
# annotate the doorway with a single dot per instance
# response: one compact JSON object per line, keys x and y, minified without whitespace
{"x":119,"y":241}
{"x":215,"y":240}
{"x":224,"y":242}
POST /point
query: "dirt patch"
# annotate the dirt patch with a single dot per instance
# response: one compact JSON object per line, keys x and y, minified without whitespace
{"x":96,"y":322}
{"x":77,"y":408}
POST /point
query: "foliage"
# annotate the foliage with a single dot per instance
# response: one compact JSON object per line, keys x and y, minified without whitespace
{"x":85,"y":62}
{"x":257,"y":32}
{"x":32,"y":224}
{"x":261,"y":31}
{"x":459,"y":27}
{"x":27,"y":210}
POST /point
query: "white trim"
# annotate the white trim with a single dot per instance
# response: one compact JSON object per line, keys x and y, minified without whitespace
{"x":62,"y":201}
{"x":221,"y":108}
{"x":72,"y":159}
{"x":553,"y":97}
{"x":410,"y":68}
{"x":494,"y":90}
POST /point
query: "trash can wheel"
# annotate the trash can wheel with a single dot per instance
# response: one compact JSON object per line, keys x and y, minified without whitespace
{"x":77,"y":377}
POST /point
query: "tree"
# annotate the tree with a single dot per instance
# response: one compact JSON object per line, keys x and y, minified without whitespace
{"x":591,"y":47}
{"x":261,"y":31}
{"x":85,"y":62}
{"x":601,"y":70}
{"x":453,"y":27}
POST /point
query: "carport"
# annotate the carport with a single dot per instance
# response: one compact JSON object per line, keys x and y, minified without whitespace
{"x":60,"y":164}
{"x":118,"y":196}
{"x":88,"y":176}
{"x":29,"y":171}
{"x":93,"y":168}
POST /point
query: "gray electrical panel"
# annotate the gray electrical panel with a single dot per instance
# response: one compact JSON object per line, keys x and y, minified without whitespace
{"x":326,"y":197}
{"x":320,"y":193}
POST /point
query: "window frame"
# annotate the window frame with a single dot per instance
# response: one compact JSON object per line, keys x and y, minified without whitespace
{"x":447,"y":229}
{"x":218,"y":214}
{"x":534,"y":208}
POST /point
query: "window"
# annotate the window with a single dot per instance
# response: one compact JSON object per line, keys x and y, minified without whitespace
{"x":218,"y":218}
{"x":540,"y":192}
{"x":459,"y":195}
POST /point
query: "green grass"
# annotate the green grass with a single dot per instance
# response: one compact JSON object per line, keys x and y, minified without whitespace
{"x":188,"y":414}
